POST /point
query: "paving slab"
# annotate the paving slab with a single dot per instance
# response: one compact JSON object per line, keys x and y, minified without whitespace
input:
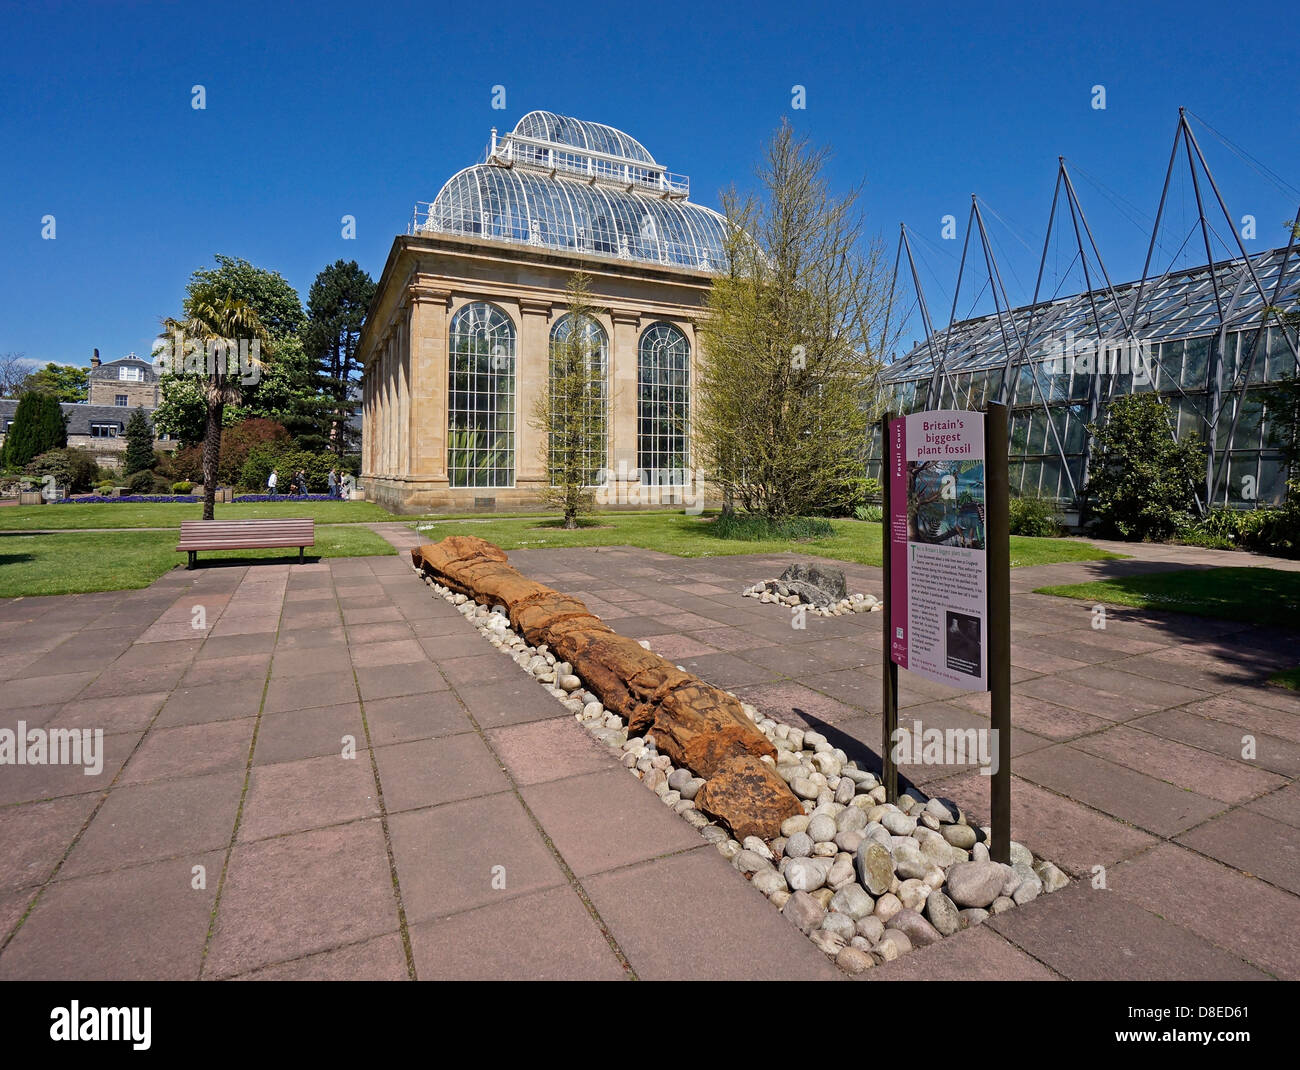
{"x":381,"y":958}
{"x":1088,"y":934}
{"x":1140,"y":800}
{"x":693,"y":916}
{"x":140,"y":921}
{"x":429,"y":772}
{"x":306,"y":794}
{"x":604,"y":820}
{"x":448,"y":857}
{"x":290,"y":896}
{"x":1241,"y":914}
{"x":558,"y":941}
{"x":1253,"y":843}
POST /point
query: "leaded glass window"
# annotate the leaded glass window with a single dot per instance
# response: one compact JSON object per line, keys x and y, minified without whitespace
{"x":663,"y":405}
{"x":481,"y":398}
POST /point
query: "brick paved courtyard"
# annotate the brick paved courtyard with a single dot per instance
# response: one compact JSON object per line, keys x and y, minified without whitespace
{"x":222,"y":751}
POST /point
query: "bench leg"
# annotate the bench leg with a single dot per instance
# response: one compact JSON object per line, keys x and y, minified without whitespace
{"x":193,"y":558}
{"x":300,"y":555}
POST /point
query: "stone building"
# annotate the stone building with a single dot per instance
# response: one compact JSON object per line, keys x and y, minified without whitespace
{"x":116,"y":388}
{"x":456,"y":345}
{"x":127,"y":383}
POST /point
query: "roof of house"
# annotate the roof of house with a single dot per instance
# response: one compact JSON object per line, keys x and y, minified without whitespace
{"x":109,"y":369}
{"x":80,"y":416}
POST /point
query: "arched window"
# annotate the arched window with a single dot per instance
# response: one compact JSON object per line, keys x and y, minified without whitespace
{"x":663,"y":405}
{"x":481,"y":398}
{"x":579,"y":397}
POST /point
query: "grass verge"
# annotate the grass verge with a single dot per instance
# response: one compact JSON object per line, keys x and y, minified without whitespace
{"x":1265,"y":596}
{"x":693,"y":536}
{"x":80,"y":562}
{"x":170,"y":514}
{"x":1288,"y":678}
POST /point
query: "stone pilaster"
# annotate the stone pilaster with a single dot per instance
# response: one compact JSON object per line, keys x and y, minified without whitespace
{"x":426,"y":325}
{"x":532,"y":380}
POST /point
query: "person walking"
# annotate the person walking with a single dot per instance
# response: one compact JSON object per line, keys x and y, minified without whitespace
{"x":302,"y":483}
{"x":271,"y":482}
{"x":334,"y":483}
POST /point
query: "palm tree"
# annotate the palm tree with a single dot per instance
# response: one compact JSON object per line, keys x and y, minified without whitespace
{"x":218,"y":324}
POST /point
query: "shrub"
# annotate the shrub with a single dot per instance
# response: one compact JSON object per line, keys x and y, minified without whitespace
{"x":1142,"y":484}
{"x":186,"y":464}
{"x":239,"y":440}
{"x":104,"y":488}
{"x":754,"y":527}
{"x":265,"y":456}
{"x":870,"y":513}
{"x":140,"y":483}
{"x":1034,"y":516}
{"x":1268,"y":530}
{"x":71,"y":468}
{"x":184,"y":487}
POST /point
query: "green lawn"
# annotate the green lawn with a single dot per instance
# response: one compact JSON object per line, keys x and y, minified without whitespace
{"x":76,"y":563}
{"x":1288,"y":678}
{"x":1266,"y":596}
{"x":170,"y":514}
{"x":691,"y":536}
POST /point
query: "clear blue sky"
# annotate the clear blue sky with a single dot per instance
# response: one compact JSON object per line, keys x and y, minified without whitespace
{"x":321,"y":110}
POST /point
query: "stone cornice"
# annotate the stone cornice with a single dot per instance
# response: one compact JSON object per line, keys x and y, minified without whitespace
{"x":530,"y":306}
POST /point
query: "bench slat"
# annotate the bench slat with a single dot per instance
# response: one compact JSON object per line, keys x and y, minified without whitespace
{"x":246,"y":534}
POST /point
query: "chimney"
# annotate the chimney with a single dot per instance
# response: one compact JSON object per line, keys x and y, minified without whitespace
{"x":94,"y":361}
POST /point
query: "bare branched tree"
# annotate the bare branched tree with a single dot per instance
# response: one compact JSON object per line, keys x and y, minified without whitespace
{"x":790,"y":347}
{"x":14,"y":370}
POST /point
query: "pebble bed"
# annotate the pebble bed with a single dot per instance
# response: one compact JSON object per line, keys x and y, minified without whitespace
{"x":865,"y":880}
{"x":774,"y":591}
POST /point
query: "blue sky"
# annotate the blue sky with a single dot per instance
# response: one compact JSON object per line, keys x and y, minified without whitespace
{"x":317,"y":111}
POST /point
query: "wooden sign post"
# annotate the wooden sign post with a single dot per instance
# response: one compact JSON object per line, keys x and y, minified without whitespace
{"x":946,"y":563}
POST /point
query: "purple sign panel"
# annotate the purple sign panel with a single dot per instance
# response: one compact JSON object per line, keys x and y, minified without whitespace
{"x":938,"y":626}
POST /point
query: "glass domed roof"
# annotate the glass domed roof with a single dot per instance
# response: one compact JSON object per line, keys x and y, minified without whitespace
{"x":572,"y":185}
{"x":578,"y":133}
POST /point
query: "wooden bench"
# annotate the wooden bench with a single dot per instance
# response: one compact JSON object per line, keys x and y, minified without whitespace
{"x":199,"y":535}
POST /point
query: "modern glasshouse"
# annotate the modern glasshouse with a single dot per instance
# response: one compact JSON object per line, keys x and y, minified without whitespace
{"x":457,"y":344}
{"x":1209,"y":359}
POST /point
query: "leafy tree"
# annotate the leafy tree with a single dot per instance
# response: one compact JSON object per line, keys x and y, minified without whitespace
{"x":284,"y":384}
{"x":336,"y":309}
{"x":139,"y":444}
{"x":61,"y":381}
{"x":788,"y":356}
{"x":571,"y":415}
{"x":38,"y":426}
{"x":1141,"y":484}
{"x":217,"y":317}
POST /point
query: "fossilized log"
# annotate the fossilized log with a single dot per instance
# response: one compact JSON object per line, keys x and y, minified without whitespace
{"x":700,"y":727}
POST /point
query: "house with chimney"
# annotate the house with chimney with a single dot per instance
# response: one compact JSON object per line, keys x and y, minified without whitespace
{"x":116,"y":388}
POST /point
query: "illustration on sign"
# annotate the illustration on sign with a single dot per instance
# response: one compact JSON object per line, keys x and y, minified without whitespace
{"x":938,"y":578}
